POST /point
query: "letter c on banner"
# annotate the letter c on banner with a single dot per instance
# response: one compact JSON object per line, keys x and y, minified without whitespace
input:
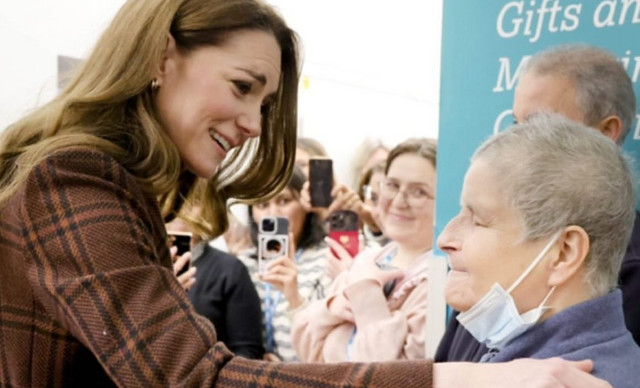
{"x":497,"y":125}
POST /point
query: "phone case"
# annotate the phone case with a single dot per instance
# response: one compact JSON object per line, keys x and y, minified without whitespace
{"x":273,"y":241}
{"x":182,"y":240}
{"x":320,"y":182}
{"x":343,"y":228}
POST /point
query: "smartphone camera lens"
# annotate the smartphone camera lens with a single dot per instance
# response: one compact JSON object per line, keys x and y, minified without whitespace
{"x":337,"y":221}
{"x":268,"y":225}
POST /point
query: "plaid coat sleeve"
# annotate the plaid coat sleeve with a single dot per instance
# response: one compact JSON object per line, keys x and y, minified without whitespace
{"x":87,"y":296}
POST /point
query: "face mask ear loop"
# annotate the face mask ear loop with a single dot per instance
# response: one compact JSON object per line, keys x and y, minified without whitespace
{"x":534,"y":262}
{"x":547,"y":297}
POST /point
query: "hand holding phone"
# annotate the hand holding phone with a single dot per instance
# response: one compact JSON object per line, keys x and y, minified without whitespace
{"x":339,"y":260}
{"x":320,"y":181}
{"x":182,"y":241}
{"x":343,"y":228}
{"x":273,"y":241}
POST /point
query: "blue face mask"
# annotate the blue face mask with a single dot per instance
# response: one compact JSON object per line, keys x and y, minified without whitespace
{"x":494,"y":320}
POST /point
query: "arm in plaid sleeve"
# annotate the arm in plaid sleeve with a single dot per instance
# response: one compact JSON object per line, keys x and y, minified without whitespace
{"x":98,"y":264}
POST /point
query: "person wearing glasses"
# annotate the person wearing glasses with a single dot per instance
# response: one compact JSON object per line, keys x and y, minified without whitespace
{"x":369,"y":192}
{"x":376,"y":310}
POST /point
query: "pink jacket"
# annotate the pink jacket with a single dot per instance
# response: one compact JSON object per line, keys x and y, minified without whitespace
{"x":387,"y":329}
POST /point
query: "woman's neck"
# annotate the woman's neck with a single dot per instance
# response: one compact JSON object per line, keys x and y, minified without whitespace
{"x":405,"y":256}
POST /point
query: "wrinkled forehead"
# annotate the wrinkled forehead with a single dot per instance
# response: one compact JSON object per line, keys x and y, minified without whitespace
{"x":545,"y":93}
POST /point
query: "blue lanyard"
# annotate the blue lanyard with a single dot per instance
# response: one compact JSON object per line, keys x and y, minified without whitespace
{"x":387,"y":259}
{"x":350,"y":343}
{"x":382,"y":263}
{"x":271,"y":301}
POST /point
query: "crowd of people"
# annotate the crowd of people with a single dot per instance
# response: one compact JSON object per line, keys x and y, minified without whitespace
{"x":185,"y":107}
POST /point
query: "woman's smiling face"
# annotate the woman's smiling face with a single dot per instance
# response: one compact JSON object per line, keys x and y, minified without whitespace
{"x":210,"y":100}
{"x":485,"y":245}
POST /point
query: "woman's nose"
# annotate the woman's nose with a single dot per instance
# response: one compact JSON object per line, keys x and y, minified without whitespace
{"x":250,"y":122}
{"x":448,"y":240}
{"x":400,"y":200}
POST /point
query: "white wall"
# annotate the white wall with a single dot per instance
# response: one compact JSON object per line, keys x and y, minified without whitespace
{"x":372,"y":69}
{"x":32,"y":34}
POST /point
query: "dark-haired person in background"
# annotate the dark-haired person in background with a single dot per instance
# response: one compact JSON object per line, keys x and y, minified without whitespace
{"x":222,"y":291}
{"x":291,"y":282}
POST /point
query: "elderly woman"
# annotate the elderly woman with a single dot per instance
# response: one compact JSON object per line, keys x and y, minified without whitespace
{"x":547,"y":212}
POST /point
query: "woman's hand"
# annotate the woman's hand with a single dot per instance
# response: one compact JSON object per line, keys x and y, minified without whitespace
{"x":271,"y":357}
{"x":371,"y":217}
{"x":368,"y":270}
{"x":343,"y":199}
{"x":188,"y":278}
{"x":340,"y":306}
{"x":338,"y":259}
{"x":282,"y":273}
{"x":522,"y":373}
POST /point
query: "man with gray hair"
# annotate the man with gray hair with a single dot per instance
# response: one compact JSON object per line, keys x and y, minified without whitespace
{"x":586,"y":84}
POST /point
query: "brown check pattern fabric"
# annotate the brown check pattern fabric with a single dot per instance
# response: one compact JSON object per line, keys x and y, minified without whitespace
{"x":88,"y":297}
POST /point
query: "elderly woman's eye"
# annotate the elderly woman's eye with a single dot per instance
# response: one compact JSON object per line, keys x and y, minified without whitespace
{"x":477,"y":222}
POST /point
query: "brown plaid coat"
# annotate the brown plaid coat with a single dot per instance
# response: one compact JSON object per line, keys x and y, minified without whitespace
{"x":88,"y":298}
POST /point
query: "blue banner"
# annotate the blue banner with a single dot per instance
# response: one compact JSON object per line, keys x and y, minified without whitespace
{"x":485,"y":43}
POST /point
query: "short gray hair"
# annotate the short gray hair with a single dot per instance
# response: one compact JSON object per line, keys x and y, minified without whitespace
{"x":603,"y":87}
{"x":556,"y":172}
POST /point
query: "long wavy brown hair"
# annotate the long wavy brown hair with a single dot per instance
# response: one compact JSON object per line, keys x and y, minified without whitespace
{"x":109,"y":105}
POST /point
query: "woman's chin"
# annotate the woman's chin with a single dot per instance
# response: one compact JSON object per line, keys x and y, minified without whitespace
{"x":457,"y":292}
{"x":408,"y":237}
{"x":205,"y":171}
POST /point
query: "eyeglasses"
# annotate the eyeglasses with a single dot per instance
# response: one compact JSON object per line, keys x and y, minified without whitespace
{"x":415,"y":195}
{"x":370,"y":195}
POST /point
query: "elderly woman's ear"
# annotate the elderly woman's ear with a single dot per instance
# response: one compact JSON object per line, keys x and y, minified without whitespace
{"x":573,"y":250}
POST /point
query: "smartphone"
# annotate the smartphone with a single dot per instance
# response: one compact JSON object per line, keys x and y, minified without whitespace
{"x":344,"y":228}
{"x":320,"y":181}
{"x":273,"y":241}
{"x":182,"y":240}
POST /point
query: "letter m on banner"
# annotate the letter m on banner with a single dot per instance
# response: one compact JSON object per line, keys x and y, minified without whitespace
{"x":507,"y":80}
